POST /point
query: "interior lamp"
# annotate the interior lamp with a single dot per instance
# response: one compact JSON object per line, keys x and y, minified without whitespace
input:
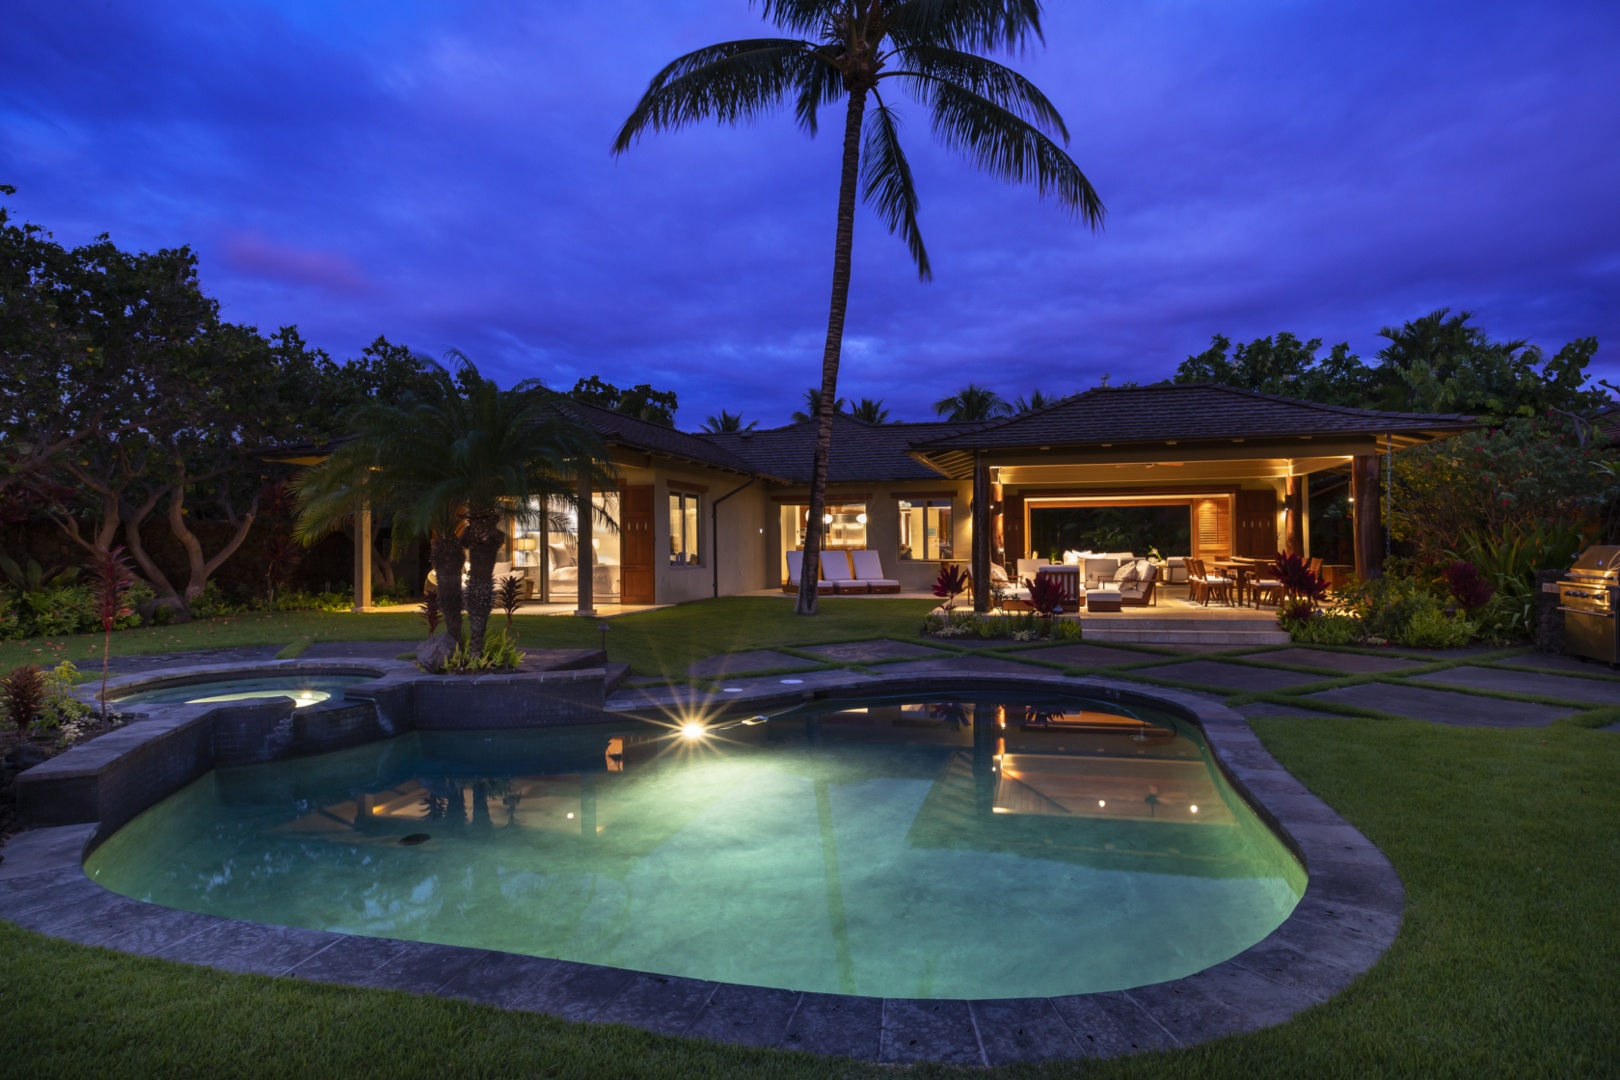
{"x":526,"y":543}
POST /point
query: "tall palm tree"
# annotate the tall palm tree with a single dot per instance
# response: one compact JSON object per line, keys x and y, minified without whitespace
{"x":972,"y":402}
{"x":462,"y":453}
{"x":851,"y":49}
{"x":724,"y":422}
{"x":870,"y":411}
{"x":812,"y":406}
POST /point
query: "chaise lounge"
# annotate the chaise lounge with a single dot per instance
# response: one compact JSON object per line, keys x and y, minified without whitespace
{"x":869,"y":572}
{"x":795,"y":562}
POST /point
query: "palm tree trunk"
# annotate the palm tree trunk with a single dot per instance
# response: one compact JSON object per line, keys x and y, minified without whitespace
{"x":483,"y":545}
{"x":445,"y":553}
{"x":842,"y":247}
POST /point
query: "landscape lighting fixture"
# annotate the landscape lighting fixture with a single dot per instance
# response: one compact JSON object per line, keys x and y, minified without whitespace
{"x":693,"y":730}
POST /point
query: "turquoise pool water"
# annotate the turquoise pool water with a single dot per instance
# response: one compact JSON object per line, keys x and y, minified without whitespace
{"x":303,"y":689}
{"x":1004,"y":847}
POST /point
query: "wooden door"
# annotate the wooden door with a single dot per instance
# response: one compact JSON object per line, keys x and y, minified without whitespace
{"x":1257,"y":524}
{"x":638,"y":570}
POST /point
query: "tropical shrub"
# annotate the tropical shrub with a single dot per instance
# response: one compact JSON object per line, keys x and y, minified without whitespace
{"x":1324,"y":628}
{"x":212,"y":602}
{"x":1494,"y":484}
{"x":298,"y":600}
{"x":1468,"y":588}
{"x":499,"y":653}
{"x":59,"y":610}
{"x":1432,"y":628}
{"x":10,"y":621}
{"x":60,"y":708}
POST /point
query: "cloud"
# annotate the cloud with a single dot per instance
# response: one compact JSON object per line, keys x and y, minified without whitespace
{"x":254,"y":255}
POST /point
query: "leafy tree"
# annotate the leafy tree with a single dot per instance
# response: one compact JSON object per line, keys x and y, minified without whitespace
{"x":1286,"y":366}
{"x":870,"y":411}
{"x":972,"y":402}
{"x":465,"y":452}
{"x":1441,"y":363}
{"x":812,"y":406}
{"x":725,"y":422}
{"x":640,"y":401}
{"x":998,"y":119}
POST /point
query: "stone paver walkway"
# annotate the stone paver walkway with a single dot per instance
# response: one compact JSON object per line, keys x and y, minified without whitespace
{"x":975,"y":665}
{"x":1443,"y":706}
{"x":1560,"y":662}
{"x":1089,"y":655}
{"x":1232,"y":676}
{"x":864,"y":652}
{"x":753,"y":660}
{"x":138,"y":665}
{"x":1349,"y":663}
{"x":1596,"y":691}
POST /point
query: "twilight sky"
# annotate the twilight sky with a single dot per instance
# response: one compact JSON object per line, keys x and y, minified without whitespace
{"x":439,"y":172}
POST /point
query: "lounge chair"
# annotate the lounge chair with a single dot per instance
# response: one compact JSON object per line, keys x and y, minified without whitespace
{"x":1135,"y":582}
{"x":795,"y":561}
{"x":835,"y":570}
{"x":869,"y":572}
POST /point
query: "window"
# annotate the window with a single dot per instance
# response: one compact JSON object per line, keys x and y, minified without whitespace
{"x":683,"y":529}
{"x":843,"y":526}
{"x":925,"y":529}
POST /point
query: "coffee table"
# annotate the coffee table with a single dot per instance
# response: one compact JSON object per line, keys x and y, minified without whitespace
{"x":1102,"y":600}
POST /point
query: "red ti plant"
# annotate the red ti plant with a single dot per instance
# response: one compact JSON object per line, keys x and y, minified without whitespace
{"x":1045,"y":595}
{"x":1471,"y":591}
{"x":112,"y":580}
{"x":509,"y":596}
{"x":1298,"y":581}
{"x":24,"y":692}
{"x":430,"y":611}
{"x":950,"y":584}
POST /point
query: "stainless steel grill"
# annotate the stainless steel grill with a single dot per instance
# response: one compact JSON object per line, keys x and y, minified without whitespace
{"x":1587,"y":596}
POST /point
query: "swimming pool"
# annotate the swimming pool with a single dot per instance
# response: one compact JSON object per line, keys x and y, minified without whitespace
{"x":971,"y":846}
{"x":305,"y":690}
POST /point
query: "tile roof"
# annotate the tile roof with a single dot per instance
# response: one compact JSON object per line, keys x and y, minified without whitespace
{"x":861,"y":452}
{"x":621,"y":429}
{"x":1187,"y":412}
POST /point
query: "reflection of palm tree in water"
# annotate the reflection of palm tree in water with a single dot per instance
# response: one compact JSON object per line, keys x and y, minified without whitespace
{"x":955,"y":713}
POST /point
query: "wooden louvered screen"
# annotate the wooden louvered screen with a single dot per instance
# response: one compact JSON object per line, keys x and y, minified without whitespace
{"x":1012,"y":528}
{"x":1212,"y":528}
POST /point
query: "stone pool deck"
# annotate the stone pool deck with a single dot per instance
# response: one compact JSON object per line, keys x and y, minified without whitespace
{"x":1348,"y":917}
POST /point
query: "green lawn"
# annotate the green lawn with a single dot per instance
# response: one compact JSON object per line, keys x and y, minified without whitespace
{"x":654,"y":642}
{"x":1508,"y":963}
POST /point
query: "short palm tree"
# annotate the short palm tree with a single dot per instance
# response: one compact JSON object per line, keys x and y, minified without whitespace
{"x":853,"y":49}
{"x":459,"y":457}
{"x":972,"y":402}
{"x":870,"y":411}
{"x":812,"y":405}
{"x":724,"y":422}
{"x":1036,"y":400}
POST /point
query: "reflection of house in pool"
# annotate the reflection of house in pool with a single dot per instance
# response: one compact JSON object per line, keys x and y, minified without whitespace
{"x":1053,"y":782}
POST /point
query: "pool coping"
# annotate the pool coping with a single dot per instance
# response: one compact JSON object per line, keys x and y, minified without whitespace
{"x":1348,"y":917}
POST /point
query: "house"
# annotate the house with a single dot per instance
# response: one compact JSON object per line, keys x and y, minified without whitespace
{"x":700,"y":515}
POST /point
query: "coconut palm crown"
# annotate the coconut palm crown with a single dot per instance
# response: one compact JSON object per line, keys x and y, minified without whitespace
{"x":451,"y":463}
{"x":860,"y":51}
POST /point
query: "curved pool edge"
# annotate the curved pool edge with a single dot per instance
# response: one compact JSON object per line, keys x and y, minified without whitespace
{"x":1348,"y":917}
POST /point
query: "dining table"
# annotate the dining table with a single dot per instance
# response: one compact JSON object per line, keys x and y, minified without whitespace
{"x":1240,"y":571}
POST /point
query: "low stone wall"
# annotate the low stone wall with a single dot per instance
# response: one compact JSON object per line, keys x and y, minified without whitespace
{"x":115,"y":777}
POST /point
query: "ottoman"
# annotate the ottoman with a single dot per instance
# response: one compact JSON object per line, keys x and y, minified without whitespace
{"x":1102,"y":600}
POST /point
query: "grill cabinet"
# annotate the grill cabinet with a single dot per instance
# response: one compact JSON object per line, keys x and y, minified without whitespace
{"x":1587,"y":596}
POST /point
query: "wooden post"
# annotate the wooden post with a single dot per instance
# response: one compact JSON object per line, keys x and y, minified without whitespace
{"x":1368,"y":528}
{"x":1293,"y":506}
{"x":586,"y":561}
{"x":983,"y":536}
{"x":362,"y":558}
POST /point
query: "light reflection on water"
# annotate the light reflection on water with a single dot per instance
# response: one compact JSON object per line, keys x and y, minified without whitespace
{"x":947,"y":848}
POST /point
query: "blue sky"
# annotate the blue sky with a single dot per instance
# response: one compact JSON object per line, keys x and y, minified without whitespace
{"x":439,"y":172}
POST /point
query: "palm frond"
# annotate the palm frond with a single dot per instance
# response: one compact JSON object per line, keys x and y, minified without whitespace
{"x":824,"y":86}
{"x":818,"y":17}
{"x":976,"y":74}
{"x":730,"y":82}
{"x":887,"y":184}
{"x":966,"y":24}
{"x":1008,"y":146}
